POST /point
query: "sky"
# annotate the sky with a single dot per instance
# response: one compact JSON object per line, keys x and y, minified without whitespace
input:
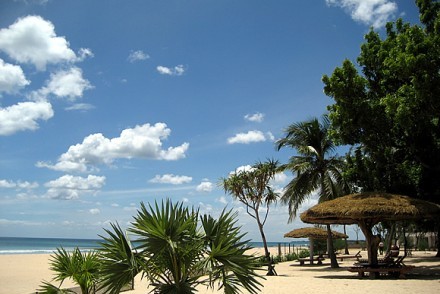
{"x":107,"y":104}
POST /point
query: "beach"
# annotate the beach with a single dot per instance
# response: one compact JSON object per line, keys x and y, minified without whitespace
{"x":23,"y":273}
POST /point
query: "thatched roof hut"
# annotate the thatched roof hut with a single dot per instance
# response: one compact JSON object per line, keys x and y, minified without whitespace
{"x":367,"y":209}
{"x":313,"y":233}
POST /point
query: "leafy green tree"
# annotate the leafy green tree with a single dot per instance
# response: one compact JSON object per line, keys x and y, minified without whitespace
{"x":176,"y":254}
{"x":252,"y":188}
{"x":82,"y":268}
{"x":315,"y":168}
{"x":387,"y":106}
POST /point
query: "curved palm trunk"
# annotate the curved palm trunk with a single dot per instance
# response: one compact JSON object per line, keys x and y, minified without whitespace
{"x":270,"y":270}
{"x":330,"y":249}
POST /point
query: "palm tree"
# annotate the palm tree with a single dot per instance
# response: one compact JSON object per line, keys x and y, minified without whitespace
{"x":82,"y":268}
{"x":315,"y":169}
{"x":252,"y":188}
{"x":176,"y":254}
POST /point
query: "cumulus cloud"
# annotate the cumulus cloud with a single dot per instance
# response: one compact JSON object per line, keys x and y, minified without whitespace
{"x":374,"y":13}
{"x":137,"y":55}
{"x":176,"y":71}
{"x":171,"y":179}
{"x":23,"y":116}
{"x":70,"y":187}
{"x":205,"y":186}
{"x":18,"y":185}
{"x":12,"y":78}
{"x":68,"y":84}
{"x":256,"y":117}
{"x":250,"y":137}
{"x":94,"y":211}
{"x":222,"y":200}
{"x":33,"y":40}
{"x":143,"y":141}
{"x":84,"y":53}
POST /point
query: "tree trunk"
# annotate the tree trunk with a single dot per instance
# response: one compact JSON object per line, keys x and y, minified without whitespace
{"x":311,"y":250}
{"x":330,"y":250}
{"x":438,"y":242}
{"x":372,"y":243}
{"x":270,"y":266}
{"x":346,"y":242}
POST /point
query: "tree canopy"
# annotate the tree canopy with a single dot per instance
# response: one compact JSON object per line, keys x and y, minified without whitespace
{"x":388,"y":107}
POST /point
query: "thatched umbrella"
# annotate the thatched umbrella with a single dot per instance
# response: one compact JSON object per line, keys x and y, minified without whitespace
{"x":313,"y":233}
{"x":366,"y":210}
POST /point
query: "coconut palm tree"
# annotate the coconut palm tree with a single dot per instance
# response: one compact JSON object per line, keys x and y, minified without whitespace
{"x":82,"y":268}
{"x":314,"y":166}
{"x":176,"y":254}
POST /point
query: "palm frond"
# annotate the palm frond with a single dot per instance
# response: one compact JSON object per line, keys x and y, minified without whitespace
{"x":120,"y":262}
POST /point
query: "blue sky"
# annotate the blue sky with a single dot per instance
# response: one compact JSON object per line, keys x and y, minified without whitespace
{"x":104,"y":104}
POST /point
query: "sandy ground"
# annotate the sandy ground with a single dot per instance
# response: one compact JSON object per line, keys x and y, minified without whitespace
{"x":22,"y":274}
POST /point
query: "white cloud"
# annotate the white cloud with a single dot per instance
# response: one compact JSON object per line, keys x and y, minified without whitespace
{"x":32,"y":39}
{"x":205,"y":187}
{"x":79,"y":107}
{"x":18,"y":185}
{"x":143,"y":141}
{"x":68,"y":84}
{"x":84,"y":53}
{"x":374,"y":13}
{"x":222,"y":200}
{"x":72,"y":187}
{"x":23,"y":116}
{"x":240,"y":169}
{"x":94,"y":211}
{"x":256,"y":117}
{"x":249,"y":137}
{"x":137,"y":55}
{"x":171,"y":179}
{"x":280,"y":178}
{"x":176,"y":71}
{"x":12,"y":78}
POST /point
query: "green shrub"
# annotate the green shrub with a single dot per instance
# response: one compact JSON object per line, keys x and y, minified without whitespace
{"x":304,"y":253}
{"x":423,"y":244}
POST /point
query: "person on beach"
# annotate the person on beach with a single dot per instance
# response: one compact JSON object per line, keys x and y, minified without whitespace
{"x":381,"y":248}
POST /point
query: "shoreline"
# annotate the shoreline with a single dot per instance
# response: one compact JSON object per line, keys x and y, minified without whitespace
{"x":23,"y":273}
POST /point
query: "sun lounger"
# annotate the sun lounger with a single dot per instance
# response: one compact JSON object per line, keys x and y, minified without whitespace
{"x":357,"y":256}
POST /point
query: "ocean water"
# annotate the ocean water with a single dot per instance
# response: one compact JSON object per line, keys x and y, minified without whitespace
{"x":15,"y":245}
{"x":12,"y":245}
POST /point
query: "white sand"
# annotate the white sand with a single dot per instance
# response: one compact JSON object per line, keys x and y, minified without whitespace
{"x":22,"y":274}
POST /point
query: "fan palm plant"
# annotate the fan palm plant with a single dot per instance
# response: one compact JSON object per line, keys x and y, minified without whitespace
{"x":315,"y":169}
{"x":176,"y":254}
{"x":82,"y":268}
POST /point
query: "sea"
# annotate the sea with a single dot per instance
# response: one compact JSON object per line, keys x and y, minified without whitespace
{"x":21,"y":245}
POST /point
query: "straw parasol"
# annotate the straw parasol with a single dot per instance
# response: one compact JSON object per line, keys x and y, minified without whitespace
{"x":366,"y":210}
{"x":313,"y":233}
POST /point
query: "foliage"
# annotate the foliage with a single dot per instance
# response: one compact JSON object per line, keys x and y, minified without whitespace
{"x":389,"y":109}
{"x":315,"y":169}
{"x":252,"y":188}
{"x":176,"y":254}
{"x":82,"y":268}
{"x":314,"y":166}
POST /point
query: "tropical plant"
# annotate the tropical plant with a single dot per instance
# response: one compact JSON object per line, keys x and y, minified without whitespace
{"x":252,"y":188}
{"x":386,"y":105}
{"x":82,"y":268}
{"x":176,"y":254}
{"x":314,"y":168}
